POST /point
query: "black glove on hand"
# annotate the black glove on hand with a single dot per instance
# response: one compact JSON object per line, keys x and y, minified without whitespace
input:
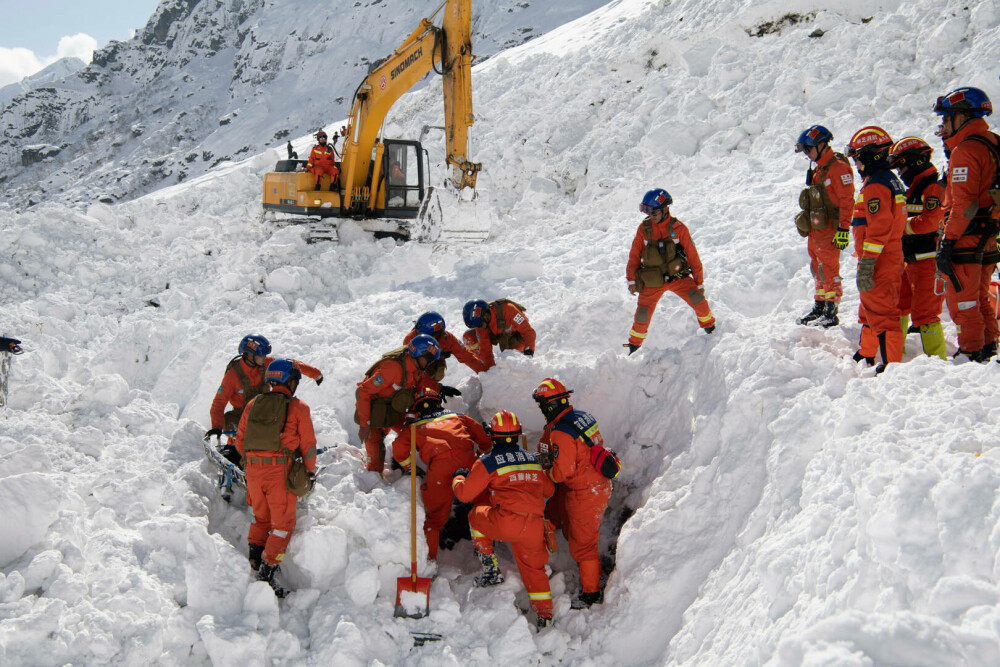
{"x":394,"y":465}
{"x":448,"y":392}
{"x":445,"y":355}
{"x":217,"y":432}
{"x":463,"y":472}
{"x":528,"y":352}
{"x":943,"y":259}
{"x":319,"y":380}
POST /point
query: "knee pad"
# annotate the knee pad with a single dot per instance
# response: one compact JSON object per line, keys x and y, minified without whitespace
{"x":696,"y":297}
{"x":642,"y":315}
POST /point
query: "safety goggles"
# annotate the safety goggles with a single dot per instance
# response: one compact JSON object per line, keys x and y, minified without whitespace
{"x":647,"y":209}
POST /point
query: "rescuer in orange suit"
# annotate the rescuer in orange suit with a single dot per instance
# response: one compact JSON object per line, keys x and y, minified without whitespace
{"x":388,"y":391}
{"x":511,"y":511}
{"x":501,"y":322}
{"x":911,"y":158}
{"x":582,"y":492}
{"x":828,"y":222}
{"x":663,"y":259}
{"x":244,"y":379}
{"x":267,"y":461}
{"x":432,"y":324}
{"x":322,"y":160}
{"x":878,"y":227}
{"x":967,"y":253}
{"x":446,"y":441}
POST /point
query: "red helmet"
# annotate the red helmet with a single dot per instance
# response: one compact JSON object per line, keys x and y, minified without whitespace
{"x":867,"y":140}
{"x":321,"y":135}
{"x":427,"y":400}
{"x":909,"y":150}
{"x":505,"y":427}
{"x":549,"y":390}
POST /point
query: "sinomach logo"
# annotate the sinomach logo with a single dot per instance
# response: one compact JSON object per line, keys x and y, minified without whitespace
{"x":398,"y":69}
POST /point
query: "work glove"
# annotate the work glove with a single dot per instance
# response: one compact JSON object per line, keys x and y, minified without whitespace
{"x":633,"y":289}
{"x":866,"y":273}
{"x":448,"y":392}
{"x":545,"y":459}
{"x":840,"y":239}
{"x":528,"y":352}
{"x":319,"y":380}
{"x":364,"y":432}
{"x":943,"y":259}
{"x":445,"y":354}
{"x":217,"y":432}
{"x":394,"y":465}
{"x":461,"y":472}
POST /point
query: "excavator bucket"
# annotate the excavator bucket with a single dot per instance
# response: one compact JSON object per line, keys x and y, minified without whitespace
{"x":454,"y":217}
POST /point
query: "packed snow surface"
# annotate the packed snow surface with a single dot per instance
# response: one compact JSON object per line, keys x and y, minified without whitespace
{"x":779,"y":505}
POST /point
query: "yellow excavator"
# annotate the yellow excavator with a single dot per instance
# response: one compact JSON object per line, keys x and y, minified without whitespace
{"x":384,"y":183}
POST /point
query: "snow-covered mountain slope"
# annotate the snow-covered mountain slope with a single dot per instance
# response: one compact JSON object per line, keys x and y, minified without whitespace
{"x":779,"y":505}
{"x":208,"y":81}
{"x":50,"y":75}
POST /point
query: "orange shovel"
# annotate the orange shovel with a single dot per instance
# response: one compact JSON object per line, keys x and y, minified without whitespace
{"x":413,"y":587}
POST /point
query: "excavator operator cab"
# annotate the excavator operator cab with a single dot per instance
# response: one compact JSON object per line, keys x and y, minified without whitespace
{"x":403,"y":169}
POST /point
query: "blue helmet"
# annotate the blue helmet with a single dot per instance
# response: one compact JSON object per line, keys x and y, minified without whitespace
{"x":964,"y":100}
{"x":430,"y":323}
{"x":654,"y":200}
{"x":811,"y":137}
{"x":473,"y":313}
{"x":254,"y":344}
{"x":280,"y":371}
{"x":425,"y":346}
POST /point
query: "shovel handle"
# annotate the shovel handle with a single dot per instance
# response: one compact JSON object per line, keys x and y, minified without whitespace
{"x":413,"y":502}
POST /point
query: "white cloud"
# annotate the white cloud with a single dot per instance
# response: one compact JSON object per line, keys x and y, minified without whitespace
{"x":17,"y":63}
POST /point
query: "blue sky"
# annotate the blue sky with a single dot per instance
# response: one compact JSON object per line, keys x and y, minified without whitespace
{"x":34,"y":33}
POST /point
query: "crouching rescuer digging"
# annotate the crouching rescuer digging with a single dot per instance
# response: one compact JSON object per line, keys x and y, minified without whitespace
{"x":663,"y":259}
{"x":274,"y":431}
{"x":508,"y":489}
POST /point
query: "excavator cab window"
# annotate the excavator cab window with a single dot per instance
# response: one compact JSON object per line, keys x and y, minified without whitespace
{"x":404,"y":176}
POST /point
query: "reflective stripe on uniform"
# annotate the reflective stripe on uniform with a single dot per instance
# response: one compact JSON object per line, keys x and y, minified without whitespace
{"x":873,"y":247}
{"x":279,"y":533}
{"x":925,"y":255}
{"x":506,"y":470}
{"x":311,"y":453}
{"x":633,"y":332}
{"x":475,"y":533}
{"x":706,"y":318}
{"x":547,"y":595}
{"x":966,"y":305}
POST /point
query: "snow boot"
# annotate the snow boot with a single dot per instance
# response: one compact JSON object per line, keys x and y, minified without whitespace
{"x":317,"y":187}
{"x":631,"y":348}
{"x":542,"y":622}
{"x":255,"y":555}
{"x":491,"y":575}
{"x":858,"y":357}
{"x":829,"y":317}
{"x":932,"y":339}
{"x":819,"y":308}
{"x":266,"y":573}
{"x":710,"y":329}
{"x":584,"y":600}
{"x":989,"y":351}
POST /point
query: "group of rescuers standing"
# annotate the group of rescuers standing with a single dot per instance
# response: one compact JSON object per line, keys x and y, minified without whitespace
{"x":930,"y":241}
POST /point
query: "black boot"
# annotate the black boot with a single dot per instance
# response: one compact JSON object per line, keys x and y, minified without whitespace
{"x":317,"y":187}
{"x":819,"y":307}
{"x":584,"y":600}
{"x":542,"y":622}
{"x":266,"y":573}
{"x":860,"y":357}
{"x":491,"y":575}
{"x":255,"y":555}
{"x":631,"y":348}
{"x":988,"y":352}
{"x":829,"y":317}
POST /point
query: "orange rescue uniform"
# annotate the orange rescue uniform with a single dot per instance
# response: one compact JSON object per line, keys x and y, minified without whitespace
{"x":878,"y":224}
{"x":582,"y":492}
{"x":923,"y":206}
{"x":450,"y":346}
{"x":824,"y":255}
{"x":240,"y":384}
{"x":971,"y":222}
{"x":385,"y":379}
{"x":446,"y":441}
{"x":511,"y":510}
{"x":687,"y":288}
{"x":322,"y":160}
{"x":480,"y":341}
{"x":272,"y":504}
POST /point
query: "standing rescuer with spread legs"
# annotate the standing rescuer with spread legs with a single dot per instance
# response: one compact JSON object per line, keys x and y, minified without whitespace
{"x":274,"y":430}
{"x":446,"y":442}
{"x":572,"y":451}
{"x":663,"y":259}
{"x":825,"y":220}
{"x":911,"y":158}
{"x":878,"y":232}
{"x":509,"y":488}
{"x":243,"y":380}
{"x":967,"y":253}
{"x":388,"y":391}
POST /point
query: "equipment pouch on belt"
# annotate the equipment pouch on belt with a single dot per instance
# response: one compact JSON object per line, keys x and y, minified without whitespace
{"x":818,"y":218}
{"x":650,"y":277}
{"x":297,"y":481}
{"x":265,"y":423}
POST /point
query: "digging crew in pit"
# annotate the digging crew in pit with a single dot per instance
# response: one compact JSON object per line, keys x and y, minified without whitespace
{"x":967,"y":253}
{"x":878,"y":226}
{"x":322,"y":160}
{"x":582,"y":492}
{"x":663,"y":259}
{"x":244,"y":379}
{"x":388,"y":391}
{"x":509,"y":488}
{"x":432,"y":324}
{"x":446,"y":441}
{"x":919,"y":306}
{"x":501,"y":322}
{"x":274,"y":429}
{"x":825,"y":219}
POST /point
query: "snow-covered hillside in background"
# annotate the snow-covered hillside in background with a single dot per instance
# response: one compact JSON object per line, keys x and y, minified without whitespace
{"x":208,"y":81}
{"x":52,"y":74}
{"x":779,"y":505}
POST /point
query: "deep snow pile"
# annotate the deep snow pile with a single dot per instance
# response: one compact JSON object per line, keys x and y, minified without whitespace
{"x":783,"y":506}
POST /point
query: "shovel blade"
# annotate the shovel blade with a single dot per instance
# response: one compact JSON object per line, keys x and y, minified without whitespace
{"x":413,"y":606}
